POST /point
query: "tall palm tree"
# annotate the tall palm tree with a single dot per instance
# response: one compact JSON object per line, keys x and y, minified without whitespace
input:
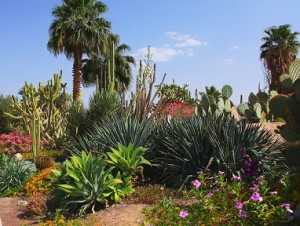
{"x":279,"y":49}
{"x":98,"y":69}
{"x":76,"y":29}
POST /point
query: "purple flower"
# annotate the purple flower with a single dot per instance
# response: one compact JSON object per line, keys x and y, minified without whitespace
{"x":221,"y":172}
{"x":287,"y":207}
{"x":183,"y":214}
{"x":254,"y":187}
{"x":260,"y":177}
{"x":243,"y":213}
{"x":196,"y":183}
{"x":273,"y":192}
{"x":239,"y":205}
{"x":256,"y":197}
{"x":209,"y":194}
{"x":236,"y":177}
{"x":199,"y":172}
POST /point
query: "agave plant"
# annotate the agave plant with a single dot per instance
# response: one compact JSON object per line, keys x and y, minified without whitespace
{"x":84,"y":182}
{"x":13,"y":174}
{"x":181,"y":149}
{"x":112,"y":131}
{"x":128,"y":160}
{"x":185,"y":146}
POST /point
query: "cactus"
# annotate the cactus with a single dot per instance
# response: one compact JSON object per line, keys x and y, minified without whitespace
{"x":256,"y":110}
{"x":210,"y":105}
{"x":226,"y":91}
{"x":42,"y":111}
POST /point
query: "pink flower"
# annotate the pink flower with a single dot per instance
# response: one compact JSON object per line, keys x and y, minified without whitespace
{"x":199,"y":172}
{"x":273,"y":192}
{"x":287,"y":207}
{"x":260,"y":177}
{"x":254,"y":187}
{"x":234,"y":177}
{"x":256,"y":197}
{"x":209,"y":194}
{"x":183,"y":214}
{"x":221,"y":172}
{"x":239,"y":205}
{"x":196,"y":183}
{"x":243,"y":213}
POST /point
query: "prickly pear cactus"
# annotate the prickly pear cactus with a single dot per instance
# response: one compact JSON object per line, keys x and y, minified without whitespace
{"x":210,"y":105}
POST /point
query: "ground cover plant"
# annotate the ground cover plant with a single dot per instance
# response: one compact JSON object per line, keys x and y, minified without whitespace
{"x":214,"y":200}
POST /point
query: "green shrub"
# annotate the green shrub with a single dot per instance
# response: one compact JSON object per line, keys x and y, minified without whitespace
{"x":112,"y":131}
{"x":84,"y":182}
{"x":188,"y":145}
{"x":128,"y":160}
{"x":13,"y":175}
{"x":5,"y":121}
{"x":214,"y":200}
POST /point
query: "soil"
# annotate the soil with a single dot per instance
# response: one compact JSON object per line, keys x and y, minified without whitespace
{"x":116,"y":215}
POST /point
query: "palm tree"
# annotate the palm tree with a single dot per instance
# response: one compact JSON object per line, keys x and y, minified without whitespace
{"x":77,"y":29}
{"x":98,"y":69}
{"x":279,"y":49}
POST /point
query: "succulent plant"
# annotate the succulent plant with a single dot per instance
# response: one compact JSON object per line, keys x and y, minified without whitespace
{"x":256,"y":109}
{"x":287,"y":107}
{"x":216,"y":105}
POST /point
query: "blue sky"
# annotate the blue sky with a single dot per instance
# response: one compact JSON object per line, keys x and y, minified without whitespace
{"x":196,"y":42}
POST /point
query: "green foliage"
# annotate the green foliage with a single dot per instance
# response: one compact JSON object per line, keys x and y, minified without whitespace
{"x":257,"y":107}
{"x":13,"y":175}
{"x":112,"y":131}
{"x":43,"y":110}
{"x":142,"y":102}
{"x":215,"y":103}
{"x":287,"y":107}
{"x":175,"y":93}
{"x":128,"y":160}
{"x":150,"y":194}
{"x":84,"y":182}
{"x":186,"y":146}
{"x":103,"y":104}
{"x":121,"y":190}
{"x":6,"y":123}
{"x":217,"y":201}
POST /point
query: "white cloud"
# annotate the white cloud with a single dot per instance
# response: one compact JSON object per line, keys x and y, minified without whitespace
{"x":235,"y":47}
{"x":162,"y":54}
{"x":182,"y":47}
{"x":184,"y":40}
{"x":229,"y":61}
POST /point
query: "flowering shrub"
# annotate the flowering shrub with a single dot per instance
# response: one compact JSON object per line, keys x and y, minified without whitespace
{"x":177,"y":109}
{"x":214,"y":200}
{"x":14,"y":143}
{"x":39,"y":183}
{"x":37,"y":205}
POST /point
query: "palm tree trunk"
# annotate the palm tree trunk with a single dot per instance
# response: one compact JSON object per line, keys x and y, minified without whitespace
{"x":77,"y":65}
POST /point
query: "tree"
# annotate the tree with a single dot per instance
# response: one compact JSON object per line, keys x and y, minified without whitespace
{"x":98,"y":69}
{"x":279,"y":49}
{"x":77,"y":29}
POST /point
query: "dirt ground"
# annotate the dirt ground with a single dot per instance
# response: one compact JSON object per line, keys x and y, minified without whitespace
{"x":116,"y":215}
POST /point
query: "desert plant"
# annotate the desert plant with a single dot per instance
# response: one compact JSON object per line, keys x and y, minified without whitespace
{"x":287,"y":107}
{"x":6,"y":123}
{"x":112,"y":131}
{"x":13,"y":175}
{"x":36,"y":205}
{"x":84,"y":182}
{"x":142,"y":103}
{"x":128,"y":160}
{"x":209,"y":143}
{"x":216,"y":105}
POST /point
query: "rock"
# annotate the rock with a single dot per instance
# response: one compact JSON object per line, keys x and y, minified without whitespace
{"x":17,"y":156}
